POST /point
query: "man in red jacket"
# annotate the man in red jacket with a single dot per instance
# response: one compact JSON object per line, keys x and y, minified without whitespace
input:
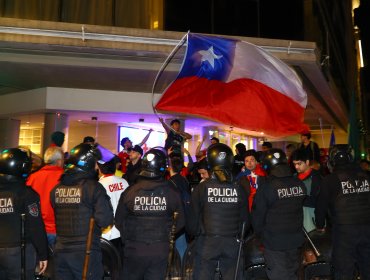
{"x":43,"y":181}
{"x":252,"y":175}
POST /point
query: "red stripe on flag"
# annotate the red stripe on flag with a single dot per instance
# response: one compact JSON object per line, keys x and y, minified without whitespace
{"x":242,"y":103}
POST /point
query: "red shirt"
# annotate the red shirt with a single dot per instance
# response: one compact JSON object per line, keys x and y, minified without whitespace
{"x":123,"y":156}
{"x":43,"y":181}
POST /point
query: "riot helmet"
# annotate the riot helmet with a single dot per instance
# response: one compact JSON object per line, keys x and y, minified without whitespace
{"x":84,"y":157}
{"x":275,"y":163}
{"x":340,"y":154}
{"x":15,"y":162}
{"x":220,"y":159}
{"x":154,"y":164}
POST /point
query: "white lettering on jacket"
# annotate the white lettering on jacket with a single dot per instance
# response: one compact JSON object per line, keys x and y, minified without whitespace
{"x":290,"y":192}
{"x":6,"y":205}
{"x":223,"y":195}
{"x":361,"y":186}
{"x":150,"y":203}
{"x":68,"y":195}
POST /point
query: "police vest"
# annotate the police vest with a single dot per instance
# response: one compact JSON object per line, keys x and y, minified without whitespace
{"x":72,"y":216}
{"x":352,"y":205}
{"x":221,"y":210}
{"x":286,"y":214}
{"x":149,"y":220}
{"x":11,"y":208}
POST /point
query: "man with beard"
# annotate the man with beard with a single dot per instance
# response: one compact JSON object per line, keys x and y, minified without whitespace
{"x":134,"y":165}
{"x":312,"y":180}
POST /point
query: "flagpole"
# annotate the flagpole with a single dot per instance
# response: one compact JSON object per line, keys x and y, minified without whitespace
{"x":164,"y":65}
{"x":322,"y":133}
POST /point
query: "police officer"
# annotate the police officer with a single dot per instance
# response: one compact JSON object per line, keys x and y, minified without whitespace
{"x":345,"y":193}
{"x":76,"y":200}
{"x":17,"y":199}
{"x":144,"y":218}
{"x":218,"y":209}
{"x":277,"y":216}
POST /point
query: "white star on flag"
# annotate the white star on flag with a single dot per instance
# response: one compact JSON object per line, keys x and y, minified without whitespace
{"x":210,"y":56}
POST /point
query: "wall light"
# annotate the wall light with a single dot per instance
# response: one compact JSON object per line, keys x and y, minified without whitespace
{"x":360,"y":50}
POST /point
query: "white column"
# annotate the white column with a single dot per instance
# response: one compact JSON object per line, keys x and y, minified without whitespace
{"x":9,"y":131}
{"x":55,"y":122}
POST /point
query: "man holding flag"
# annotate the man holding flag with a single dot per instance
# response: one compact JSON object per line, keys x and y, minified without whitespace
{"x":235,"y":77}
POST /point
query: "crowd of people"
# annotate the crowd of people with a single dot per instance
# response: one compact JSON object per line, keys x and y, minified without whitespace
{"x":150,"y":204}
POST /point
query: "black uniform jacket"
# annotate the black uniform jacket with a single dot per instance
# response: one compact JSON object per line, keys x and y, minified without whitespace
{"x":76,"y":200}
{"x":132,"y":173}
{"x":346,"y":194}
{"x":218,"y":209}
{"x":15,"y":199}
{"x":145,"y":211}
{"x":277,"y":212}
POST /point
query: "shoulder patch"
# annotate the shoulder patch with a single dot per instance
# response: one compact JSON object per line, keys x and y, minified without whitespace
{"x":33,"y":209}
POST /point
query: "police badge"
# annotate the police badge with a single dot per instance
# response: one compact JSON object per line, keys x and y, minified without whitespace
{"x":33,"y":209}
{"x":222,"y":155}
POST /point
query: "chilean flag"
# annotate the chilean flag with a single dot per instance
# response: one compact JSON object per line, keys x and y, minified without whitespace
{"x":238,"y":84}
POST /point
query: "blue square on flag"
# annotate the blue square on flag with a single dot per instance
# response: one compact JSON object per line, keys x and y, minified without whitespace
{"x":208,"y":57}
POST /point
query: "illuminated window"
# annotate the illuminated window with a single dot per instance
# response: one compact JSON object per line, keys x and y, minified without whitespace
{"x":136,"y":135}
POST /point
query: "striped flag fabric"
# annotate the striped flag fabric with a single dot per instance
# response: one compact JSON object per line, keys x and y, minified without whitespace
{"x":239,"y":84}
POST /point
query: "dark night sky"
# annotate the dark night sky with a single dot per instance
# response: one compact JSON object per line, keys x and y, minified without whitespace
{"x":271,"y":19}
